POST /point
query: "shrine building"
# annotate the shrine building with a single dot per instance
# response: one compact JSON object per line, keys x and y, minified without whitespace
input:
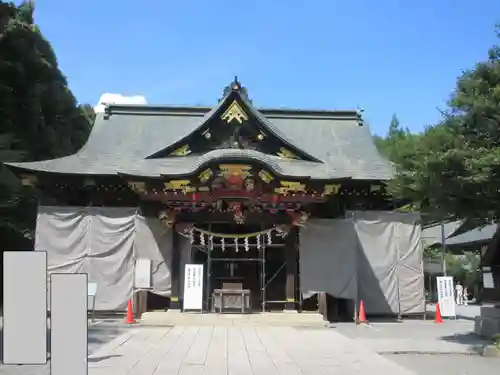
{"x":236,"y":188}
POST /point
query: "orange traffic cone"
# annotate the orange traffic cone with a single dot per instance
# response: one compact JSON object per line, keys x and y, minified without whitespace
{"x":362,"y":316}
{"x":130,"y":314}
{"x":439,"y":318}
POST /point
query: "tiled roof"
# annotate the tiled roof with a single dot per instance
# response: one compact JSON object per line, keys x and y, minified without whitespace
{"x":121,"y":141}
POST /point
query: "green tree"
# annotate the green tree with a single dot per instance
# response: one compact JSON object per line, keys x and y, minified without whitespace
{"x":39,"y":116}
{"x":452,"y":169}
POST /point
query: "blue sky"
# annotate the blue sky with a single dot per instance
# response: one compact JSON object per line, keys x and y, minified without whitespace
{"x":385,"y":56}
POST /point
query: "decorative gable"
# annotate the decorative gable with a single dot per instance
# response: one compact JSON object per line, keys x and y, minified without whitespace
{"x":234,"y":123}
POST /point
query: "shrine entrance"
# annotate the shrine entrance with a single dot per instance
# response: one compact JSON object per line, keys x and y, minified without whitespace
{"x":242,"y":257}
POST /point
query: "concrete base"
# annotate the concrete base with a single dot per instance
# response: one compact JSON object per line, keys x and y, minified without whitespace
{"x":488,"y":323}
{"x":491,"y":351}
{"x":168,"y":318}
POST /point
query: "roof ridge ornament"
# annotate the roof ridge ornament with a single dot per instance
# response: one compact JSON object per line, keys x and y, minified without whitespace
{"x":235,"y":85}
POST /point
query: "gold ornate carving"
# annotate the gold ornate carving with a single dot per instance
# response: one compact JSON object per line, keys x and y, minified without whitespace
{"x":234,"y":112}
{"x":235,"y":170}
{"x":205,"y":175}
{"x":285,"y":153}
{"x":29,"y":180}
{"x":288,"y":187}
{"x":265,"y":176}
{"x":181,"y":151}
{"x":183,"y":185}
{"x":332,"y":189}
{"x":137,"y":187}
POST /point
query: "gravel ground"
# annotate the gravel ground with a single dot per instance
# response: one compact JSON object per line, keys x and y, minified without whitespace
{"x":100,"y":333}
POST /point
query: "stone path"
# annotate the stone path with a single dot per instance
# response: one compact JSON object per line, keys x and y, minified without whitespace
{"x":237,"y":351}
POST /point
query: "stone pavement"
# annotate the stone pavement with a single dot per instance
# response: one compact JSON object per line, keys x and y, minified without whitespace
{"x":100,"y":333}
{"x":416,"y":336}
{"x":237,"y":350}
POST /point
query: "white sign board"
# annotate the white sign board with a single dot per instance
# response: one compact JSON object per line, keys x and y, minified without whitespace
{"x":91,"y":289}
{"x":488,"y":280}
{"x":193,"y":287}
{"x":446,"y":296}
{"x":142,"y":274}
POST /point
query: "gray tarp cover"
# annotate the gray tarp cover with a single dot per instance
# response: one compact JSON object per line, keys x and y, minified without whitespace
{"x":384,"y":254}
{"x":104,"y":243}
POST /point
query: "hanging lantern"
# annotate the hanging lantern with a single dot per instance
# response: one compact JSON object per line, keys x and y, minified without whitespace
{"x":236,"y":244}
{"x":222,"y":244}
{"x":202,"y":239}
{"x":247,"y":247}
{"x":191,"y":236}
{"x":258,"y":241}
{"x":269,"y":239}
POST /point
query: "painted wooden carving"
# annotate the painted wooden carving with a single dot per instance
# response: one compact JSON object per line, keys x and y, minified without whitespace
{"x":181,"y":151}
{"x":287,"y":154}
{"x":137,"y":187}
{"x":205,"y":175}
{"x":288,"y":187}
{"x":183,"y":185}
{"x":265,"y":176}
{"x":332,"y":189}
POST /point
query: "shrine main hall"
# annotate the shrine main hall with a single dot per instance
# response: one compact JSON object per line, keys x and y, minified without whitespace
{"x":281,"y":205}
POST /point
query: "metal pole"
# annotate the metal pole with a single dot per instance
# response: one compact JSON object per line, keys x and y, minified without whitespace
{"x":209,"y":269}
{"x":443,"y":252}
{"x":263,"y":242}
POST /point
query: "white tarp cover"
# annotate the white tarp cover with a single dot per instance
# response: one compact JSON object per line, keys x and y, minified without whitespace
{"x":385,"y":255}
{"x":104,"y":242}
{"x":328,"y":258}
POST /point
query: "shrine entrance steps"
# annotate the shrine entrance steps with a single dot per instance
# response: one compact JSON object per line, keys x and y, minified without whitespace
{"x":288,"y":319}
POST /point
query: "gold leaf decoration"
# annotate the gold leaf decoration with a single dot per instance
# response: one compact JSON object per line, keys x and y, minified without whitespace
{"x":265,"y":176}
{"x":183,"y":185}
{"x":288,"y":187}
{"x":181,"y":151}
{"x":137,"y":187}
{"x":332,"y":189}
{"x":205,"y":175}
{"x":234,"y":112}
{"x":235,"y":170}
{"x":287,"y":154}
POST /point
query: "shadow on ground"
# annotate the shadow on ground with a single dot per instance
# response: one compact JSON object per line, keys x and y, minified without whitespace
{"x":98,"y":335}
{"x":473,"y":341}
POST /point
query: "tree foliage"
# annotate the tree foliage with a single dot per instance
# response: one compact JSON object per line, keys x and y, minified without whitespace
{"x":452,"y":169}
{"x":39,"y":116}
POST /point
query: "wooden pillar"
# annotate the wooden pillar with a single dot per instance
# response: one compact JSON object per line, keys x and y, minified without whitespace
{"x":175,"y":272}
{"x":291,"y":266}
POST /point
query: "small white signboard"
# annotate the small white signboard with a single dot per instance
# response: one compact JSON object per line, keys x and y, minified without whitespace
{"x":91,"y":289}
{"x":193,"y":287}
{"x":446,"y":296}
{"x":142,"y":274}
{"x":488,"y":280}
